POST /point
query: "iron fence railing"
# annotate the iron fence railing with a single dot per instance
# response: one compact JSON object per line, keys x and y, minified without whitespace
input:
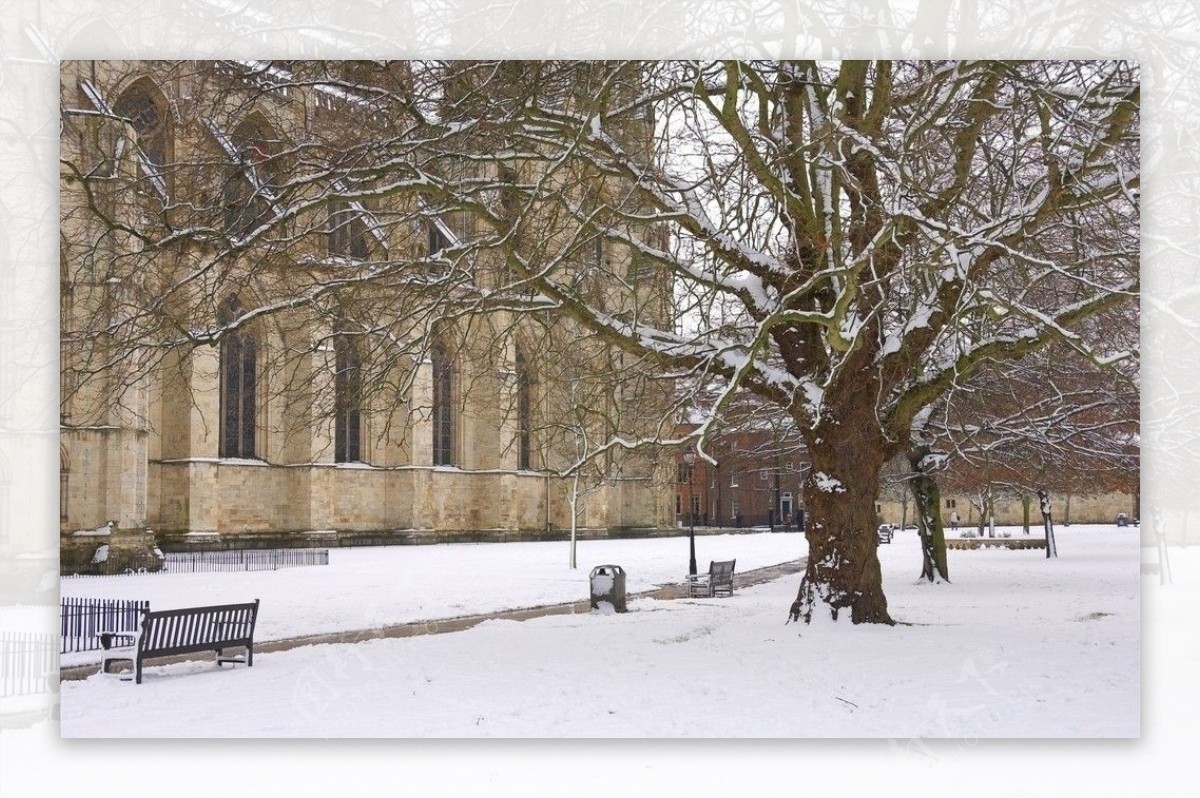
{"x":28,"y":663}
{"x":82,"y":619}
{"x":177,"y":562}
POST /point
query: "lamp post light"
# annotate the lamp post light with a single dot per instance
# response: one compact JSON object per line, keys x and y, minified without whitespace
{"x":689,"y":459}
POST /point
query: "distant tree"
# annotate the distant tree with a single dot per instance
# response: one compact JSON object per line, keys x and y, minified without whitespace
{"x":1054,"y":421}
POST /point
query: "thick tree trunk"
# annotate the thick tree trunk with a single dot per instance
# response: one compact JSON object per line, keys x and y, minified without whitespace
{"x":843,"y":575}
{"x":929,"y":519}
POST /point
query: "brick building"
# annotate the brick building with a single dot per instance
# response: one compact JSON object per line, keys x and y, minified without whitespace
{"x":755,"y":482}
{"x":758,"y":478}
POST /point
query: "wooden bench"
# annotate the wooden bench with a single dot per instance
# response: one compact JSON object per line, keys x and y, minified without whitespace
{"x":184,"y":631}
{"x":717,"y":582}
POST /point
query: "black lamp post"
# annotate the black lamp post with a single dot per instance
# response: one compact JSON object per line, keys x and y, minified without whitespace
{"x":689,"y":459}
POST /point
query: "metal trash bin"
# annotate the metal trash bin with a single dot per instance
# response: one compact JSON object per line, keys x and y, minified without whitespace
{"x":608,"y":588}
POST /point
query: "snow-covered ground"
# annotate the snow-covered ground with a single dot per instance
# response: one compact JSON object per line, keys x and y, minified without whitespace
{"x":36,"y":762}
{"x":366,"y":588}
{"x":1017,"y":646}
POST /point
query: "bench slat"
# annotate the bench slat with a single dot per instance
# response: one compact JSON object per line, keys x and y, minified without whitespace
{"x":191,"y":630}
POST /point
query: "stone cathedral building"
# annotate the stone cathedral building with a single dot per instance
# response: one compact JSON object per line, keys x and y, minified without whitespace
{"x":204,"y":404}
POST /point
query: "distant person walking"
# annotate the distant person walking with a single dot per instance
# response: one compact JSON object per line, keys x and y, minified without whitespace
{"x":954,"y":519}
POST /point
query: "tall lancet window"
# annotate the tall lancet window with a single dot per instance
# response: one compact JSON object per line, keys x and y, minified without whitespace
{"x":347,"y":385}
{"x":524,"y":414}
{"x":239,"y":385}
{"x":443,"y":407}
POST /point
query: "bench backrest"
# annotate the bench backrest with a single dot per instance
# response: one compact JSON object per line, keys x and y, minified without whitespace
{"x":721,"y":571}
{"x":189,"y":629}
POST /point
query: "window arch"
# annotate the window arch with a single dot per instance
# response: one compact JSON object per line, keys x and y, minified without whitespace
{"x":252,"y":183}
{"x":347,"y":388}
{"x":142,"y":104}
{"x":443,"y":406}
{"x":239,"y":385}
{"x":524,"y":413}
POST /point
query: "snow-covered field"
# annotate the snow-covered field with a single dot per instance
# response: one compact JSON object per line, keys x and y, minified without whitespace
{"x":366,"y":588}
{"x":1017,"y":646}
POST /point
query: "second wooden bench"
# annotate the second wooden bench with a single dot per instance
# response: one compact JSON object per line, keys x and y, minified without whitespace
{"x":717,"y":582}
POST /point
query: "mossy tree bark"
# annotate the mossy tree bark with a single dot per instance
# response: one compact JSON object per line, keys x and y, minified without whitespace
{"x":932,"y":533}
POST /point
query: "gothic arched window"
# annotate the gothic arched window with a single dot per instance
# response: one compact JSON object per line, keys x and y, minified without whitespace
{"x":252,"y":182}
{"x":524,"y":413}
{"x":347,"y":388}
{"x":239,"y":385}
{"x":443,"y":406}
{"x":143,"y":106}
{"x":139,"y":105}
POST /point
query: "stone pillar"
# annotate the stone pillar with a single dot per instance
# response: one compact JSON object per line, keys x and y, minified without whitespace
{"x":123,"y":481}
{"x":203,"y":504}
{"x":422,"y":415}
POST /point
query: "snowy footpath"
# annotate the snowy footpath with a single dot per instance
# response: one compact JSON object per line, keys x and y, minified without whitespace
{"x":1017,"y":646}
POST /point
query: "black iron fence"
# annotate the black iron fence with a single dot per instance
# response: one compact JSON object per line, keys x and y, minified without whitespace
{"x":350,"y":541}
{"x":82,"y":619}
{"x":28,"y":663}
{"x":186,"y":562}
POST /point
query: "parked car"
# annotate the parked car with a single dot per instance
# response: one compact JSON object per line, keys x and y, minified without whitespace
{"x":885,"y":533}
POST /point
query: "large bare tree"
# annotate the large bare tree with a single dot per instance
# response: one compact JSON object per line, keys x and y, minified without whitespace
{"x":846,"y":241}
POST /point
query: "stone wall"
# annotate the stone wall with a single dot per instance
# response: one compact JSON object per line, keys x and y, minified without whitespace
{"x":108,"y":550}
{"x":1066,"y":508}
